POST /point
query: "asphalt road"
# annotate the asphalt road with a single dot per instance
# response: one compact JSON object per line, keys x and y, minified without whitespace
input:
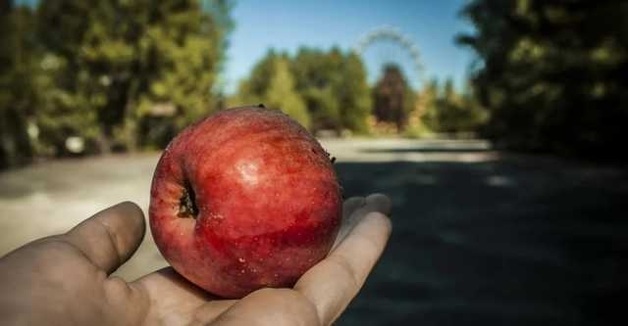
{"x":480,"y":237}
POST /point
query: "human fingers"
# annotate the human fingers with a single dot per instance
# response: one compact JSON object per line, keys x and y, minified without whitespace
{"x":351,"y":204}
{"x":333,"y":283}
{"x":110,"y":237}
{"x":379,"y":203}
{"x":356,"y":208}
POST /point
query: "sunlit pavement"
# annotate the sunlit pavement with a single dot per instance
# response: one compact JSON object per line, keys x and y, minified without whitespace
{"x":480,"y":236}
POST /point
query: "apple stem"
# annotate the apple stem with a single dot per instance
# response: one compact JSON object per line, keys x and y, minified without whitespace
{"x":187,"y":202}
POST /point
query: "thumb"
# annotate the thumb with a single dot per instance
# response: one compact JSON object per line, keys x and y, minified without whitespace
{"x":110,"y":237}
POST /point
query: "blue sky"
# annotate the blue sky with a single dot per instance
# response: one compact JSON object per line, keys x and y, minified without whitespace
{"x":286,"y":25}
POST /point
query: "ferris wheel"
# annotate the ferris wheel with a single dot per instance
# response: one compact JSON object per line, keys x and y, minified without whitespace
{"x":388,"y":45}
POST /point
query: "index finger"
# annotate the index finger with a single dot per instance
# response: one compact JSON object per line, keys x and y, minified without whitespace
{"x":334,"y":282}
{"x":355,"y":208}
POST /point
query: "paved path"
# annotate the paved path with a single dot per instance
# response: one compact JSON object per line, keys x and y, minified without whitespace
{"x":480,"y":237}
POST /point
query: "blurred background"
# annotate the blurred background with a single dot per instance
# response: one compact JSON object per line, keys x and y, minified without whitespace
{"x":497,"y":127}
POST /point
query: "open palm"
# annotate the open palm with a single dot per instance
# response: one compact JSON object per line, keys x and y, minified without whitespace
{"x":65,"y":280}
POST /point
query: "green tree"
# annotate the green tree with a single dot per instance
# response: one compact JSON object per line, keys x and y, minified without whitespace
{"x":452,"y":113}
{"x":17,"y":96}
{"x":282,"y":95}
{"x":354,"y":94}
{"x":251,"y":90}
{"x":271,"y":82}
{"x":182,"y":50}
{"x":122,"y":62}
{"x":429,"y":97}
{"x":334,"y":87}
{"x":393,"y":98}
{"x":331,"y":85}
{"x":448,"y":110}
{"x":554,"y":74}
{"x":317,"y":73}
{"x":59,"y":113}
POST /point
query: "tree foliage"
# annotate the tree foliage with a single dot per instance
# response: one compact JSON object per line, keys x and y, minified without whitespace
{"x":323,"y":90}
{"x":354,"y":94}
{"x":272,"y":83}
{"x":393,"y":99}
{"x":334,"y":87}
{"x":457,"y":112}
{"x":281,"y":93}
{"x":17,"y":96}
{"x":442,"y":108}
{"x":116,"y":73}
{"x":554,"y":74}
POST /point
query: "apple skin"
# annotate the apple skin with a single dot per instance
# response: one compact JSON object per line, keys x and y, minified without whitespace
{"x":244,"y":199}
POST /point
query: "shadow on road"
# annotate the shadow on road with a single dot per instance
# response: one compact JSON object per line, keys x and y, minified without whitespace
{"x":436,"y":146}
{"x":427,"y":150}
{"x":498,"y":242}
{"x":484,"y":238}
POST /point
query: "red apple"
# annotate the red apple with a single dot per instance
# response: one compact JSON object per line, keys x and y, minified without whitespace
{"x":244,"y":199}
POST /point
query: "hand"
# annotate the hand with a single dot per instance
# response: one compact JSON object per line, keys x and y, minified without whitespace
{"x":64,"y":279}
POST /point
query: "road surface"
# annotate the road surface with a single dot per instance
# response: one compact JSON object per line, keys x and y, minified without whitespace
{"x":480,"y":237}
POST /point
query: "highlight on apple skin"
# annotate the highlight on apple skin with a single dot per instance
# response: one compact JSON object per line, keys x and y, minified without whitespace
{"x":244,"y":199}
